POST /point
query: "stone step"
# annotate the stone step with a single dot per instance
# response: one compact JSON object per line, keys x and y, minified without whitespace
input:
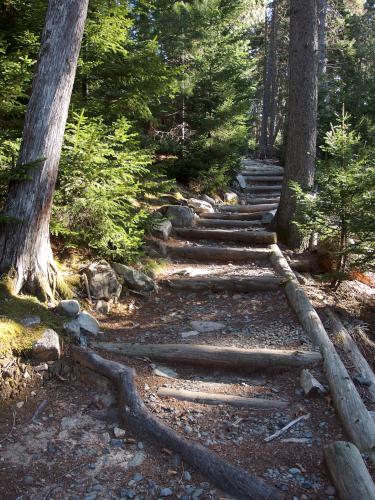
{"x":240,"y":236}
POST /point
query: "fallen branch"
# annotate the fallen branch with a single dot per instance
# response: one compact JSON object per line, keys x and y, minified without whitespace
{"x":232,"y":358}
{"x":349,"y":472}
{"x":220,"y":399}
{"x":343,"y":338}
{"x":353,"y":413}
{"x":140,"y":420}
{"x":286,"y":427}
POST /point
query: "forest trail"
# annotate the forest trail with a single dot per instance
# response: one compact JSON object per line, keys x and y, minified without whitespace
{"x":231,"y":301}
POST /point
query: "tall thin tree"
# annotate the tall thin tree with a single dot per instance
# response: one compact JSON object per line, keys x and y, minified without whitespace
{"x":302,"y":114}
{"x":25,"y":249}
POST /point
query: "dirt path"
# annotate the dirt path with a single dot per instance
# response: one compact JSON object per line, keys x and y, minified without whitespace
{"x":75,"y":449}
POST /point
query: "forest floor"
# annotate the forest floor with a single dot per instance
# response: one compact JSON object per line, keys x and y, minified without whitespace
{"x":76,"y":447}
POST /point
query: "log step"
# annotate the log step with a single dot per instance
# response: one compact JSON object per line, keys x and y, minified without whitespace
{"x":230,"y":284}
{"x":222,"y":254}
{"x":211,"y":398}
{"x":234,"y":215}
{"x":262,"y":178}
{"x":247,"y":208}
{"x":232,"y":358}
{"x":228,"y":223}
{"x":275,"y":187}
{"x":260,"y":237}
{"x":264,"y":201}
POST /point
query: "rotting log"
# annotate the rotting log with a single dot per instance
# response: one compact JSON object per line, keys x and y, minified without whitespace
{"x":232,"y":224}
{"x":233,"y":216}
{"x":349,"y":473}
{"x":223,"y":254}
{"x":227,"y":284}
{"x":353,"y":413}
{"x":232,"y":358}
{"x":221,"y":399}
{"x":343,"y":338}
{"x":240,"y":236}
{"x":247,"y":208}
{"x":143,"y":423}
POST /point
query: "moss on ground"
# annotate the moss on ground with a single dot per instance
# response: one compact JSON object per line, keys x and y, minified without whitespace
{"x":14,"y":336}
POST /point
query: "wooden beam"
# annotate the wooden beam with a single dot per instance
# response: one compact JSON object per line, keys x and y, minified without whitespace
{"x":260,"y":237}
{"x":226,"y":284}
{"x":247,"y":208}
{"x":222,"y":254}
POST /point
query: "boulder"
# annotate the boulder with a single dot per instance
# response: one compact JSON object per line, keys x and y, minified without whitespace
{"x":200,"y":206}
{"x":231,"y":198}
{"x":102,"y":281}
{"x":70,"y":308}
{"x":267,"y":218}
{"x":209,"y":200}
{"x":88,"y":323}
{"x":162,"y":229}
{"x":135,"y":280}
{"x":47,"y":347}
{"x":180,"y":216}
{"x":241,"y":181}
{"x":72,"y":328}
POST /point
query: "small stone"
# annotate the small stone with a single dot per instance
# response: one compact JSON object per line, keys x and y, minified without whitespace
{"x":117,"y":443}
{"x":166,"y":492}
{"x":30,"y":321}
{"x":188,"y":429}
{"x":294,"y":471}
{"x":137,"y":477}
{"x":162,"y":229}
{"x":28,"y":480}
{"x":119,"y":433}
{"x":103,"y":306}
{"x":70,"y":308}
{"x":191,"y":333}
{"x":72,"y":328}
{"x":200,"y":206}
{"x":88,"y":323}
{"x":206,"y":326}
{"x":186,"y":476}
{"x":140,"y":445}
{"x":134,"y":279}
{"x":47,"y":347}
{"x":163,"y":371}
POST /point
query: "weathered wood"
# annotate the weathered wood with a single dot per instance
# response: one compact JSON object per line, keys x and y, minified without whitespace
{"x":263,"y":201}
{"x":217,"y":223}
{"x":262,"y":178}
{"x":247,"y":208}
{"x":310,"y":383}
{"x":261,"y":237}
{"x":354,"y":415}
{"x":230,"y":358}
{"x":343,"y":338}
{"x":220,"y":399}
{"x":349,"y":473}
{"x":263,"y":188}
{"x":223,"y":254}
{"x":234,"y":216}
{"x":25,"y":240}
{"x":146,"y":425}
{"x":227,"y":284}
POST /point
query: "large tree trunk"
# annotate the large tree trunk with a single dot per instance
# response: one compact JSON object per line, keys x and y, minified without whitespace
{"x":25,"y":248}
{"x":302,"y":116}
{"x":269,"y":109}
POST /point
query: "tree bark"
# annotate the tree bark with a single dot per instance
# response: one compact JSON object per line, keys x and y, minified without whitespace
{"x":349,"y":472}
{"x":229,"y":358}
{"x":143,"y":423}
{"x":25,"y":248}
{"x":302,"y":115}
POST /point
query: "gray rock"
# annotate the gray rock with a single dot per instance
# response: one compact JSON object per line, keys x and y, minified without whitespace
{"x":294,"y":471}
{"x":127,"y":493}
{"x":135,"y":280}
{"x":209,"y":200}
{"x":164,"y":371}
{"x":200,"y":206}
{"x":166,"y":492}
{"x":162,"y":229}
{"x":241,"y":181}
{"x":206,"y":326}
{"x":28,"y":480}
{"x":180,"y":216}
{"x":138,"y":459}
{"x":231,"y":197}
{"x":118,"y":432}
{"x":191,"y":333}
{"x":267,"y":218}
{"x":72,"y":328}
{"x":102,"y":280}
{"x":88,"y":323}
{"x":103,"y":306}
{"x":30,"y":321}
{"x":70,"y":308}
{"x":186,"y":476}
{"x":47,"y":347}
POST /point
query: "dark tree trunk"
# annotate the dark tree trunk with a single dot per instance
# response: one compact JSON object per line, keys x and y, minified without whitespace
{"x":322,"y":42}
{"x":25,"y":249}
{"x":269,"y":108}
{"x":302,"y":115}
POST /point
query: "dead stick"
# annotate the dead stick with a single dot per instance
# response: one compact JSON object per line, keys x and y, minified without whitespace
{"x":288,"y":426}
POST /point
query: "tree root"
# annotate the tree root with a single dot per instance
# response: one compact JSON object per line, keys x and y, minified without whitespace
{"x":228,"y":478}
